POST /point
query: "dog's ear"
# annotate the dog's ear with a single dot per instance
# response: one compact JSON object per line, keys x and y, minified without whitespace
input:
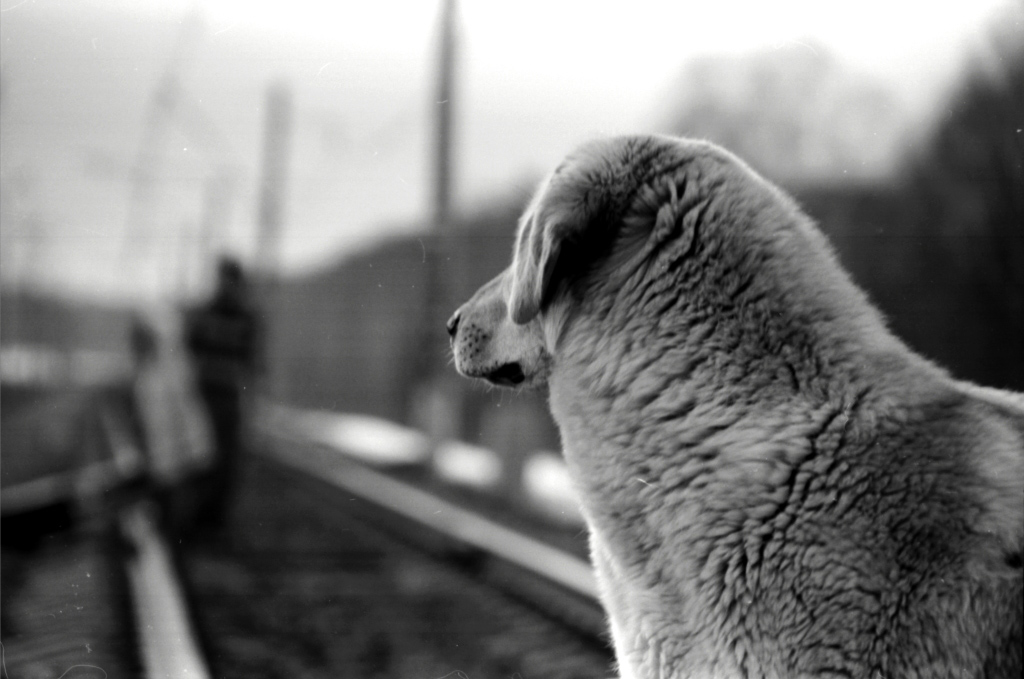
{"x":536,"y":251}
{"x":550,"y":245}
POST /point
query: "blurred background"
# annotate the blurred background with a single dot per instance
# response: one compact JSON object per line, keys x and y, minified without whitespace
{"x":366,"y":163}
{"x":370,"y":184}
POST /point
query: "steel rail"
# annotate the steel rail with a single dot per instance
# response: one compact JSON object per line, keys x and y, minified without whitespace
{"x":169,"y":647}
{"x":448,"y":519}
{"x":168,"y":644}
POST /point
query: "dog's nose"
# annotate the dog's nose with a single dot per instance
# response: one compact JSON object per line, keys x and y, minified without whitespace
{"x":453,"y":325}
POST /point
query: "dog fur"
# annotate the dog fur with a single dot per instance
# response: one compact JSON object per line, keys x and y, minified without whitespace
{"x":775,"y":485}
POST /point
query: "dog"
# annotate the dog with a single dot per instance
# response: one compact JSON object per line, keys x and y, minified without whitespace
{"x":774,"y":484}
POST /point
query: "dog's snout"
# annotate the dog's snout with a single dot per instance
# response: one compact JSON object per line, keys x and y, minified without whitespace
{"x":453,"y":325}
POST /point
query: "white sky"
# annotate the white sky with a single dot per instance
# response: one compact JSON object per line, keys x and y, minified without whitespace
{"x":536,"y":77}
{"x":640,"y":40}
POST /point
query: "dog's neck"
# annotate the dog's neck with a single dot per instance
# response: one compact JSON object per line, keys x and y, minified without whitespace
{"x":654,"y":407}
{"x":761,"y":348}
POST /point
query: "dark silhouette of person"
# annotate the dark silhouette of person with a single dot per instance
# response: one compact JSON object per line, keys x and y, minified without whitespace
{"x":223,"y":337}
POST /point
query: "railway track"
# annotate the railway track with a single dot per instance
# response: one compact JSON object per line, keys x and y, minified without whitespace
{"x":90,"y":588}
{"x":318,"y":580}
{"x":326,"y":568}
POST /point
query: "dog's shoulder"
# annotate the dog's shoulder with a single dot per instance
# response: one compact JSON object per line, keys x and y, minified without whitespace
{"x":961,"y":446}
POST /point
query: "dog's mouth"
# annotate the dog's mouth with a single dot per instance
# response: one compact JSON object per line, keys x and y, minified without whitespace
{"x":508,"y":375}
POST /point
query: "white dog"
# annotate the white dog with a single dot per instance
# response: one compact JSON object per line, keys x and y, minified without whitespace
{"x":775,"y":485}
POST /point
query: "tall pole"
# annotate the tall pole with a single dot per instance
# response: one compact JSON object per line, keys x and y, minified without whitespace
{"x":435,"y":341}
{"x":277,"y":134}
{"x":439,"y":414}
{"x":276,"y":144}
{"x":443,"y":119}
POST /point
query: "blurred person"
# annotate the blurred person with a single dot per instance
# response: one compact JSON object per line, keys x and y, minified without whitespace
{"x":174,"y":432}
{"x":223,"y":338}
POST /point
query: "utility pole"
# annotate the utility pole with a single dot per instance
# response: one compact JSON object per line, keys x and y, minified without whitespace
{"x":436,"y":404}
{"x":276,"y":144}
{"x":436,"y":341}
{"x":443,"y":108}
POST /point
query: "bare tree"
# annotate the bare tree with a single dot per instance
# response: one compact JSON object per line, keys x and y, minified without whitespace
{"x":967,"y":186}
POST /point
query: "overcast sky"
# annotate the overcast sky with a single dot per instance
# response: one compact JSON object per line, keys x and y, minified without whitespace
{"x":535,"y":78}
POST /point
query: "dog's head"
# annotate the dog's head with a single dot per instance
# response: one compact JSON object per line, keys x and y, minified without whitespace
{"x":489,"y":345}
{"x":506,"y":332}
{"x":616,"y":215}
